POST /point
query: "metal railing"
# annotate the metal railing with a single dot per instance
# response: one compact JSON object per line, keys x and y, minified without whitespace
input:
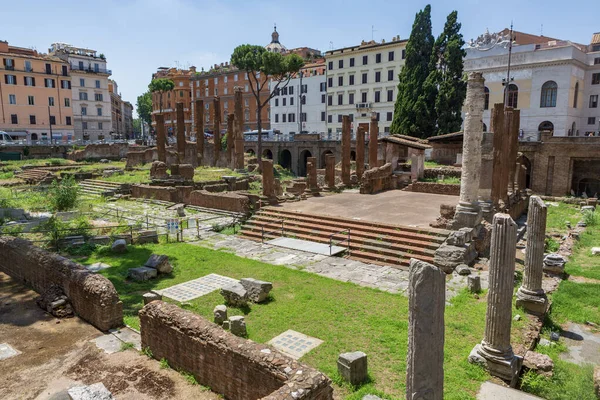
{"x":76,"y":67}
{"x":263,"y":233}
{"x":347,"y":239}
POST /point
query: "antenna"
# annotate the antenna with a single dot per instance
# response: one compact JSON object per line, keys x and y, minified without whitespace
{"x":542,"y":30}
{"x":330,"y":45}
{"x":373,"y":30}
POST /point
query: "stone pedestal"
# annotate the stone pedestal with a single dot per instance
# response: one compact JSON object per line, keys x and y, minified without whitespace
{"x":330,"y":171}
{"x":161,"y":138}
{"x":217,"y":129}
{"x":360,"y":151}
{"x":495,"y":352}
{"x":373,"y":138}
{"x":425,"y":358}
{"x":199,"y":120}
{"x":180,"y":133}
{"x":530,"y":295}
{"x":220,"y":314}
{"x":353,"y":367}
{"x":346,"y":150}
{"x":311,"y":175}
{"x":417,"y":165}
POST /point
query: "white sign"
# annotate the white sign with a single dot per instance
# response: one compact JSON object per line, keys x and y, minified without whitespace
{"x":173,"y":226}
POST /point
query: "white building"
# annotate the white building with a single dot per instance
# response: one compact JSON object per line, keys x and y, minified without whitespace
{"x":300,"y":107}
{"x":361,"y":80}
{"x":91,"y":98}
{"x":555,"y":83}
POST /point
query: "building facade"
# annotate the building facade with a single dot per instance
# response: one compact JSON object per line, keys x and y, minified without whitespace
{"x":181,"y":93}
{"x":300,"y":107}
{"x":35,"y":95}
{"x":127,"y":112}
{"x":362,"y":80}
{"x":121,"y":113}
{"x":90,"y":95}
{"x":555,"y":83}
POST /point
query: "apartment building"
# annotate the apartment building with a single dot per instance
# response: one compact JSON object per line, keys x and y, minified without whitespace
{"x":127,"y":112}
{"x":300,"y":107}
{"x":181,"y":93}
{"x":35,"y":95}
{"x":362,"y":80}
{"x":121,"y":113}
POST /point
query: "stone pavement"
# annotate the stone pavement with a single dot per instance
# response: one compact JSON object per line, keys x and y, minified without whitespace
{"x":493,"y":391}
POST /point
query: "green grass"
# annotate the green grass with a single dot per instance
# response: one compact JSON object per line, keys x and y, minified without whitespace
{"x":582,"y":262}
{"x":577,"y":302}
{"x":346,"y":316}
{"x":447,"y":179}
{"x":205,"y":174}
{"x":433,"y":164}
{"x":559,"y":215}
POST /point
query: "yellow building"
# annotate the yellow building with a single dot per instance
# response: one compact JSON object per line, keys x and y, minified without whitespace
{"x":35,"y":95}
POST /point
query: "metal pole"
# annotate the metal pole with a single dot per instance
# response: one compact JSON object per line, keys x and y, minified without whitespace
{"x":50,"y":123}
{"x":510,"y":40}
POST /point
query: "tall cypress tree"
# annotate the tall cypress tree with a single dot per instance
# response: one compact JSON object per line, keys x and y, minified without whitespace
{"x":414,"y":112}
{"x":447,"y":73}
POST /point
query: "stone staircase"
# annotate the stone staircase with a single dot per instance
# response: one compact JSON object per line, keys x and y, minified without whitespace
{"x":370,"y":242}
{"x":95,"y":188}
{"x":36,"y":176}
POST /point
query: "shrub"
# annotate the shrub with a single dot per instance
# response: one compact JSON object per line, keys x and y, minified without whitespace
{"x":63,"y":194}
{"x":590,"y":218}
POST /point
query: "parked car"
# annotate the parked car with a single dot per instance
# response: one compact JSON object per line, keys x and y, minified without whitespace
{"x":5,"y":138}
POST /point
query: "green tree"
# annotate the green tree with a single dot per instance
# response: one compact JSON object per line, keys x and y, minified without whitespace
{"x":144,"y":107}
{"x":161,"y":86}
{"x":137,"y":126}
{"x":447,"y":73}
{"x":414,"y":111}
{"x":262,"y":66}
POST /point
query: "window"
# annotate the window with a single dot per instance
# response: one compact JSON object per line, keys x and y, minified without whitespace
{"x":513,"y":95}
{"x":65,"y":84}
{"x":9,"y":64}
{"x":350,"y":98}
{"x":283,"y":117}
{"x":246,"y":103}
{"x":304,"y":88}
{"x":28,"y":66}
{"x":548,"y":97}
{"x":390,"y":75}
{"x":341,"y":64}
{"x":96,"y":67}
{"x":29,"y":81}
{"x":378,"y":76}
{"x":596,"y":78}
{"x":68,"y":120}
{"x":596,"y":60}
{"x":291,"y":101}
{"x":340,"y":81}
{"x":84,"y":125}
{"x":51,"y":101}
{"x":80,"y":64}
{"x":596,"y":47}
{"x":10,"y":79}
{"x":291,"y":90}
{"x":12,"y":99}
{"x":364,"y":77}
{"x":99,"y":109}
{"x":365,"y":60}
{"x":340,"y":99}
{"x":377,"y":116}
{"x":83,"y":96}
{"x":97,"y":84}
{"x":486,"y":101}
{"x":390,"y":95}
{"x":181,"y":93}
{"x":283,"y":101}
{"x":403,"y":54}
{"x":82,"y":82}
{"x":322,"y":99}
{"x":329,"y":100}
{"x":67,"y":102}
{"x":389,"y":116}
{"x":52,"y":120}
{"x":48,"y":68}
{"x":351,"y":78}
{"x":235,"y":77}
{"x":594,"y":101}
{"x":329,"y":118}
{"x":340,"y":118}
{"x":391,"y":56}
{"x":14,"y":119}
{"x":377,"y":58}
{"x":591,"y":120}
{"x":276,"y":117}
{"x":225,"y":105}
{"x":49,"y":83}
{"x":322,"y":116}
{"x":329,"y":82}
{"x":323,"y":87}
{"x":377,"y":96}
{"x":31,"y":100}
{"x":216,"y":80}
{"x":276,"y":102}
{"x":98,"y":96}
{"x":65,"y":70}
{"x":576,"y":95}
{"x":291,"y":117}
{"x":224,"y":79}
{"x":330,"y":66}
{"x":32,"y":119}
{"x":83,"y":110}
{"x":363,"y":97}
{"x":352,"y":62}
{"x":100,"y":126}
{"x":303,"y":100}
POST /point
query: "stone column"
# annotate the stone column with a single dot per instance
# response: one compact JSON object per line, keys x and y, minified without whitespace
{"x":330,"y":171}
{"x":199,"y":117}
{"x":268,"y":179}
{"x":499,"y":156}
{"x":217,"y":129}
{"x":530,"y":295}
{"x":238,"y":128}
{"x":180,"y":133}
{"x":346,"y":150}
{"x":468,"y":213}
{"x":513,"y":148}
{"x":311,"y":175}
{"x":495,"y":351}
{"x":485,"y":180}
{"x":230,"y":139}
{"x":373,"y":137}
{"x":161,"y":138}
{"x":360,"y":151}
{"x":425,"y":358}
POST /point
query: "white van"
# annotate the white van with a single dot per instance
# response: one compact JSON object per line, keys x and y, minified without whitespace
{"x":5,"y":138}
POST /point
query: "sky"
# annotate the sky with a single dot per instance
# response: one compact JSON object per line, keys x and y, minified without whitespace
{"x":138,"y":36}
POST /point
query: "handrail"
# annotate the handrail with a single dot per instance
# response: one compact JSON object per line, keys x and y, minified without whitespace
{"x":263,"y":233}
{"x":331,"y":244}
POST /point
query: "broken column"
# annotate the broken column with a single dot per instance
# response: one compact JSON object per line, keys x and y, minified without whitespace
{"x":238,"y":129}
{"x":417,"y":165}
{"x":311,"y":175}
{"x":217,"y":129}
{"x":330,"y":171}
{"x":530,"y":295}
{"x":468,"y":213}
{"x":485,"y":179}
{"x":360,"y":151}
{"x":230,"y":138}
{"x":513,"y":147}
{"x":373,"y":137}
{"x":268,"y":179}
{"x":180,"y":133}
{"x":499,"y":156}
{"x":199,"y":118}
{"x":161,"y":138}
{"x":425,"y":358}
{"x":495,"y":352}
{"x":346,"y":150}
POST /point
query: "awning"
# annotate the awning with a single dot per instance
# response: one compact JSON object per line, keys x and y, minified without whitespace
{"x":18,"y":134}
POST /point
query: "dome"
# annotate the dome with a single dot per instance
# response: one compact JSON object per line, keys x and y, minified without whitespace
{"x":275,"y":46}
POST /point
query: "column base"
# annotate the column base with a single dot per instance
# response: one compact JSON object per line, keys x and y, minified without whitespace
{"x":505,"y":366}
{"x":466,"y":216}
{"x":487,"y":210}
{"x":534,"y":302}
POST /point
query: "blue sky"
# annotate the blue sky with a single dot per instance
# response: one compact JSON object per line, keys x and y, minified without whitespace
{"x":137,"y":36}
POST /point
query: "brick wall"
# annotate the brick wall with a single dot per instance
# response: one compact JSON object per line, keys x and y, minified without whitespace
{"x":154,"y":192}
{"x":234,"y":367}
{"x":93,"y":297}
{"x":378,"y":179}
{"x":452,"y":172}
{"x":221,"y":201}
{"x":436,"y":188}
{"x":114,"y":151}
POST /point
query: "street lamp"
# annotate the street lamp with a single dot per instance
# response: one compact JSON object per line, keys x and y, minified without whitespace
{"x":300,"y":101}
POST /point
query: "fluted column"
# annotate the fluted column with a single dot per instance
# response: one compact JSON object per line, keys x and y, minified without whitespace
{"x":217,"y":129}
{"x":373,"y":137}
{"x":346,"y":150}
{"x":180,"y":133}
{"x":425,"y":356}
{"x":530,"y":295}
{"x":161,"y":138}
{"x":199,"y":117}
{"x":330,"y":171}
{"x":495,"y":351}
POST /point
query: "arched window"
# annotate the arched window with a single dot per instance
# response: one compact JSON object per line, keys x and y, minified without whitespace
{"x":486,"y":104}
{"x":513,"y":96}
{"x":576,"y":95}
{"x":574,"y":129}
{"x":548,"y":98}
{"x":546,"y":126}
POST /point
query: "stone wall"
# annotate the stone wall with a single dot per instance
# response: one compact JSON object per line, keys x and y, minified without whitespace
{"x":436,"y":188}
{"x":111,"y":151}
{"x":445,"y":152}
{"x":450,"y":172}
{"x":92,"y":296}
{"x":141,"y":156}
{"x":162,"y":193}
{"x":38,"y":151}
{"x":229,"y":201}
{"x":377,"y":179}
{"x":231,"y":366}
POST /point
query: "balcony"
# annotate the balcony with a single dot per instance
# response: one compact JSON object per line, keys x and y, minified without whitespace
{"x":90,"y":69}
{"x":362,"y":106}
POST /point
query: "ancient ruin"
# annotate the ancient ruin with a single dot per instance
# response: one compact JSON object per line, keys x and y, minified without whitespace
{"x":180,"y":133}
{"x":360,"y":150}
{"x":217,"y":130}
{"x":199,"y":120}
{"x":346,"y":150}
{"x":161,"y":138}
{"x":330,"y":171}
{"x":373,"y":137}
{"x":238,"y":129}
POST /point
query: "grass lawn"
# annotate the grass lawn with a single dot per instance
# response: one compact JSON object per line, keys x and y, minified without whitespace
{"x":559,"y":215}
{"x":346,"y":316}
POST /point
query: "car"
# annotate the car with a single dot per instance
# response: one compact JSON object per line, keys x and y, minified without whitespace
{"x":5,"y":138}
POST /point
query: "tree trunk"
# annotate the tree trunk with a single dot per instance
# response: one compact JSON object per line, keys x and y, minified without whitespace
{"x":259,"y":128}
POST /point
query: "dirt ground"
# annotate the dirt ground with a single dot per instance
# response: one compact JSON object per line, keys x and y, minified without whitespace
{"x":57,"y":354}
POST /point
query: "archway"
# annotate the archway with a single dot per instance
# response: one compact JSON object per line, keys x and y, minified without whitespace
{"x":34,"y":137}
{"x":546,"y":126}
{"x":267,"y":153}
{"x":527,"y":163}
{"x":302,"y":162}
{"x":589,"y":186}
{"x":352,"y":155}
{"x":251,"y":152}
{"x":323,"y":156}
{"x":285,"y":159}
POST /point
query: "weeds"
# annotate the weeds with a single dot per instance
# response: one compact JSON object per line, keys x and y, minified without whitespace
{"x":164,"y":364}
{"x":146,"y":352}
{"x":63,"y":194}
{"x":126,"y":346}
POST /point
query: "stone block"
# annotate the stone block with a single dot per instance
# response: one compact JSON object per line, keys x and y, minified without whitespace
{"x":235,"y":295}
{"x":181,"y":211}
{"x":463,"y":269}
{"x":457,"y":238}
{"x":125,"y":236}
{"x":540,"y":363}
{"x":220,"y":314}
{"x":353,"y":367}
{"x":97,"y":391}
{"x":148,"y":236}
{"x":186,"y":171}
{"x":119,"y":246}
{"x":160,"y":263}
{"x":99,"y":240}
{"x":595,"y":251}
{"x":257,"y":291}
{"x":554,"y":263}
{"x":237,"y":325}
{"x":588,"y":208}
{"x":226,"y":325}
{"x":447,"y":256}
{"x":474,"y":283}
{"x":142,"y":273}
{"x":151,"y":296}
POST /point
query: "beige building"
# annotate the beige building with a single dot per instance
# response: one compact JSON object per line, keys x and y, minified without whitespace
{"x":121,"y":113}
{"x":35,"y":95}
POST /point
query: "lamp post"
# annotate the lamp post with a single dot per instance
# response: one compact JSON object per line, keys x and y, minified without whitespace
{"x":300,"y":101}
{"x":50,"y":123}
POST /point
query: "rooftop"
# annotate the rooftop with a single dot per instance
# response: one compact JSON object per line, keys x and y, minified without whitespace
{"x":412,"y":142}
{"x":368,"y":45}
